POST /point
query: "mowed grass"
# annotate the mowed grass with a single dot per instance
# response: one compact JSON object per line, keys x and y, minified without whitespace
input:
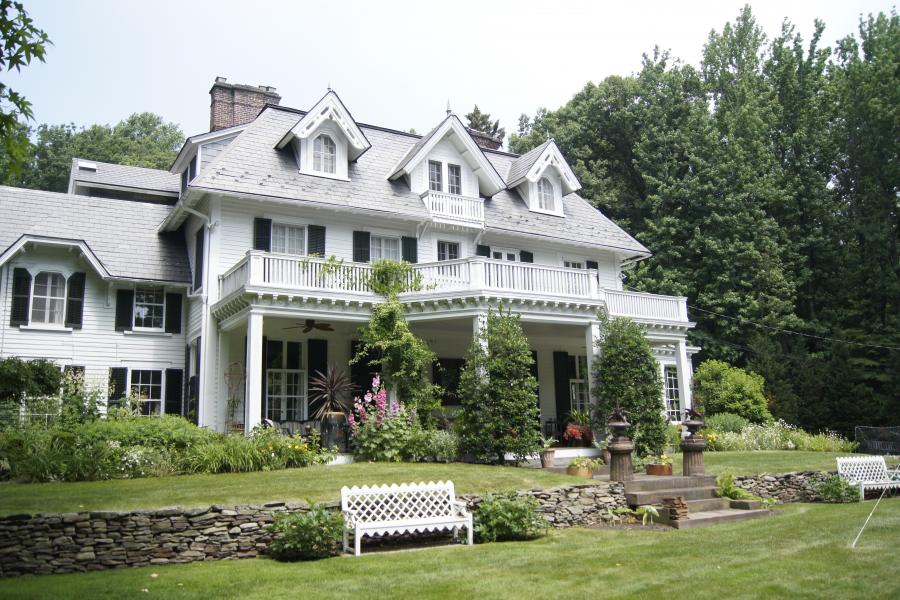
{"x":803,"y":552}
{"x":324,"y":483}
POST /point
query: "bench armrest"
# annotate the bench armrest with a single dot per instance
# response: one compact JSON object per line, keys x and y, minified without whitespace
{"x":460,"y":507}
{"x":349,"y":518}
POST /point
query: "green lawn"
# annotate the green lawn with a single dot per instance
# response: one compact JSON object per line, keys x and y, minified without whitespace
{"x":803,"y":552}
{"x":324,"y":483}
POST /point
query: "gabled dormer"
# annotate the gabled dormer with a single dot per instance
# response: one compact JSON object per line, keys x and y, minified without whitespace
{"x":542,"y":177}
{"x":326,"y":139}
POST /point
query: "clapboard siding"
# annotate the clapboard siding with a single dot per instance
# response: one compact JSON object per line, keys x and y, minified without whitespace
{"x":97,"y":345}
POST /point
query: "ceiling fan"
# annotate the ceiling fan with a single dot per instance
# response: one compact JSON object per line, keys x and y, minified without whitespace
{"x":311,"y":324}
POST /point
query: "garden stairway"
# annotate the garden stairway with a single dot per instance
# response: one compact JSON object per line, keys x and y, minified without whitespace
{"x":699,"y":492}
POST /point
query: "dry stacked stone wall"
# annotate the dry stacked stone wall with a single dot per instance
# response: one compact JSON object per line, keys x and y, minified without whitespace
{"x":801,"y":486}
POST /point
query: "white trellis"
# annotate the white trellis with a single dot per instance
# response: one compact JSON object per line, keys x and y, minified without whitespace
{"x":404,"y":508}
{"x":867,"y":472}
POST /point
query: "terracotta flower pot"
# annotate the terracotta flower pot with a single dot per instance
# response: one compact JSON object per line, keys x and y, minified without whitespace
{"x":585,"y":472}
{"x":659,"y":469}
{"x":547,"y":457}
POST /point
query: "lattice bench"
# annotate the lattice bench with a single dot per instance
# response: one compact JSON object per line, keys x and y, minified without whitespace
{"x":404,"y":508}
{"x":868,"y":472}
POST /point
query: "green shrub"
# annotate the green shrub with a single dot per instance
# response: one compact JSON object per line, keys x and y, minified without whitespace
{"x":512,"y":517}
{"x":166,"y":431}
{"x":306,"y":536}
{"x":726,"y":488}
{"x":673,"y":436}
{"x":837,"y":490}
{"x":443,"y":446}
{"x":262,"y":450}
{"x":778,"y":436}
{"x":726,"y":423}
{"x":721,"y":388}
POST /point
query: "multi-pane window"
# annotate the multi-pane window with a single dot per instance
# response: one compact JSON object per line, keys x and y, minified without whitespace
{"x":49,"y":299}
{"x":147,"y":385}
{"x":454,"y":179}
{"x":448,"y":250}
{"x":673,"y":395}
{"x":578,"y":387}
{"x":546,"y":200}
{"x":505,"y":254}
{"x":384,"y":248}
{"x":285,"y":382}
{"x":324,"y":154}
{"x":435,"y":179}
{"x":288,"y":239}
{"x":149,"y":307}
{"x":573,"y":264}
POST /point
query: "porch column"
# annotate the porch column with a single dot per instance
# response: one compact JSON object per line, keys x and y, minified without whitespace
{"x":685,"y":373}
{"x":591,"y":338}
{"x":479,"y":325}
{"x":254,"y":368}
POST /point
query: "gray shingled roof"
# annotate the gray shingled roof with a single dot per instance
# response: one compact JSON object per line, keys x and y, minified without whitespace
{"x":401,"y":164}
{"x":121,"y":233}
{"x":251,"y":165}
{"x":126,"y":176}
{"x":519,"y":167}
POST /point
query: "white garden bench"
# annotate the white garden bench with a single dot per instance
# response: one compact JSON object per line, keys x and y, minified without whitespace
{"x":867,"y":472}
{"x":404,"y":508}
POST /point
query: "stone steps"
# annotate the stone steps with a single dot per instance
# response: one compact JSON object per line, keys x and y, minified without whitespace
{"x":650,"y":483}
{"x":714,"y":517}
{"x":656,"y":496}
{"x":707,"y":504}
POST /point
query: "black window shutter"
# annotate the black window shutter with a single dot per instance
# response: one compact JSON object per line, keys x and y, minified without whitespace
{"x":262,"y":234}
{"x":75,"y":301}
{"x":174,"y":385}
{"x":198,"y":258}
{"x":534,"y":373}
{"x":561,"y":383}
{"x":409,"y":247}
{"x":592,"y":264}
{"x":21,"y":300}
{"x":482,"y":250}
{"x":361,"y":372}
{"x":124,"y":310}
{"x":293,"y":356}
{"x":526,"y":256}
{"x":361,"y":246}
{"x":173,"y":313}
{"x":315,"y":243}
{"x":316,"y":362}
{"x":118,"y":379}
{"x":188,"y":380}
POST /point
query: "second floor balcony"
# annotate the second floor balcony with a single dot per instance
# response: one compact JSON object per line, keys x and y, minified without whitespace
{"x":452,"y":209}
{"x":269,"y":273}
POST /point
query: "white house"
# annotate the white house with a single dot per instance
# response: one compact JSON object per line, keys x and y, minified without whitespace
{"x":202,"y":288}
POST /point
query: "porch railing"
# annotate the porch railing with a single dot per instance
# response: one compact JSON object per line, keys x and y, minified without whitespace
{"x":451,"y":208}
{"x":287,"y":273}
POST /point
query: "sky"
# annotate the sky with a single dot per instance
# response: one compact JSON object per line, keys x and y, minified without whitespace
{"x":394,"y":64}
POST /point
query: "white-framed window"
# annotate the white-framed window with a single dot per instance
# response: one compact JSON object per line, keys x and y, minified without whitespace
{"x":578,"y":386}
{"x":672,"y":393}
{"x":381,"y":247}
{"x":149,"y":307}
{"x":454,"y":179}
{"x":48,"y":298}
{"x":288,"y":239}
{"x":324,"y":154}
{"x":435,"y":177}
{"x":505,"y":254}
{"x":147,"y":385}
{"x":546,"y":199}
{"x":573,"y":264}
{"x":447,"y":250}
{"x":285,"y":395}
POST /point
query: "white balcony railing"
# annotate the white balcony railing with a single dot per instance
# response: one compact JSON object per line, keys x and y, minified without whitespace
{"x":285,"y":274}
{"x":453,"y":209}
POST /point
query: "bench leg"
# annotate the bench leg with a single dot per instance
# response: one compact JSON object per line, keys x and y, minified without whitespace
{"x":357,"y":539}
{"x":346,"y":541}
{"x":862,"y":492}
{"x":470,"y":533}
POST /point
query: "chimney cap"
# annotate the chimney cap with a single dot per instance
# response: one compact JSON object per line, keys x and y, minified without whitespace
{"x":220,"y":79}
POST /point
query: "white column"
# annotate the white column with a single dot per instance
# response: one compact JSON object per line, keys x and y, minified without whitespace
{"x":591,"y":338}
{"x":221,"y":387}
{"x":479,"y":325}
{"x":253,"y":376}
{"x":685,"y":374}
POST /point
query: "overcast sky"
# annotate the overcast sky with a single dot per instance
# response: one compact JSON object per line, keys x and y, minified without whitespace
{"x":394,"y":64}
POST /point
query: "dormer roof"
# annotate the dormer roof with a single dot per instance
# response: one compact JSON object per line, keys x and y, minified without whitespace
{"x":330,"y":108}
{"x":490,"y":181}
{"x":531,"y":165}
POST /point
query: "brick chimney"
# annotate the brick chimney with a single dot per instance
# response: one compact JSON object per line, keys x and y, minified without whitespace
{"x":235,"y":104}
{"x":485,"y":140}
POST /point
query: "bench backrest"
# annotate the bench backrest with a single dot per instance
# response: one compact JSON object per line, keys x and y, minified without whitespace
{"x":382,"y":503}
{"x":862,"y":468}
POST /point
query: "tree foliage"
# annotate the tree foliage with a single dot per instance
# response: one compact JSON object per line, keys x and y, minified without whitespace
{"x":20,"y":42}
{"x":498,"y":393}
{"x":626,"y":375}
{"x":720,"y":388}
{"x":481,"y":121}
{"x":765,"y":181}
{"x":141,"y":140}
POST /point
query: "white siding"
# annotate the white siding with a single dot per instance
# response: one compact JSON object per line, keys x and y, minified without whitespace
{"x":97,"y":346}
{"x":445,"y":153}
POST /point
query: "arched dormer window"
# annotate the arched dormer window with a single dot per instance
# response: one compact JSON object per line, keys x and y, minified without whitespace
{"x":546,"y":199}
{"x":324,"y":154}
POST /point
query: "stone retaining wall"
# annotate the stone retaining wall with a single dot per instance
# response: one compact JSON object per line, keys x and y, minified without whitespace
{"x":91,"y":541}
{"x":785,"y":487}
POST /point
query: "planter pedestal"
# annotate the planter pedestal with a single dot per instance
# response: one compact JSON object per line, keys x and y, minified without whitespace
{"x":620,"y":448}
{"x":692,"y":448}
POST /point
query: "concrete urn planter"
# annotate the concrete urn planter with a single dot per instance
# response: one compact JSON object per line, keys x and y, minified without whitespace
{"x":659,"y":469}
{"x":547,"y":457}
{"x":585,"y":472}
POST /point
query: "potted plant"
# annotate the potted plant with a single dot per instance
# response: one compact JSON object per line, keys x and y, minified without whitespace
{"x":331,"y":390}
{"x":659,"y":465}
{"x":548,"y":453}
{"x":582,"y":466}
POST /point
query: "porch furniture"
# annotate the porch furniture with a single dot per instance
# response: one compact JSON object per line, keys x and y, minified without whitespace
{"x":867,"y":472}
{"x":404,"y":508}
